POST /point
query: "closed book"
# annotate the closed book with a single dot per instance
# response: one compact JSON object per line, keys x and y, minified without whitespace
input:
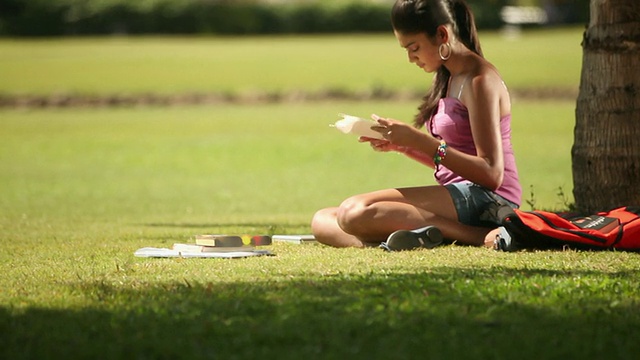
{"x":202,"y":248}
{"x":596,"y":222}
{"x":219,"y":240}
{"x":295,"y":239}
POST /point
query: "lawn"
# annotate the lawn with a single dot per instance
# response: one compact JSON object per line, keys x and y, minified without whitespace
{"x":233,"y":161}
{"x":277,"y":64}
{"x":82,"y":188}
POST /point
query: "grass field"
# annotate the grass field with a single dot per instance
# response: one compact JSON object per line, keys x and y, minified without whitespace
{"x":234,"y":161}
{"x":82,"y":188}
{"x":354,"y":62}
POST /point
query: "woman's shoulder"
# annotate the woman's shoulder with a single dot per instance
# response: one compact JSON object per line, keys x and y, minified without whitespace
{"x":485,"y":79}
{"x":487,"y":86}
{"x":486,"y":75}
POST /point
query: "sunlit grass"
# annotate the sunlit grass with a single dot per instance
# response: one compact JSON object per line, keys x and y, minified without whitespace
{"x":538,"y":59}
{"x":233,"y":162}
{"x":82,"y":188}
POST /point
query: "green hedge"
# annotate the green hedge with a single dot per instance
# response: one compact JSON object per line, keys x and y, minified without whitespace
{"x":98,"y":17}
{"x":70,"y":17}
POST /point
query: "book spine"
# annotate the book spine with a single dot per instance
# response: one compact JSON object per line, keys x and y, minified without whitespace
{"x":256,"y":240}
{"x":219,"y":240}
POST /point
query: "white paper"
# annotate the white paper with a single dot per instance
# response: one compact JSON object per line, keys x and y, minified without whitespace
{"x":357,"y":126}
{"x":169,"y":253}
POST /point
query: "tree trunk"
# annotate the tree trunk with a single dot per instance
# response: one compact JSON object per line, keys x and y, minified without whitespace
{"x":606,"y":149}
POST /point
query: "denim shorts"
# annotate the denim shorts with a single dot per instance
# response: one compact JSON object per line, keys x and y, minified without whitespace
{"x":471,"y":200}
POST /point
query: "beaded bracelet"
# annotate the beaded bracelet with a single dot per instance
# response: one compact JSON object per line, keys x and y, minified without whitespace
{"x":440,"y":153}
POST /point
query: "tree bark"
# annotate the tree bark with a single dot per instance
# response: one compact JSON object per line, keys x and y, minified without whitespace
{"x":606,"y":149}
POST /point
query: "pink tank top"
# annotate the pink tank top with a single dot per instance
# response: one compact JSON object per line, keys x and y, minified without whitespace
{"x":451,"y":123}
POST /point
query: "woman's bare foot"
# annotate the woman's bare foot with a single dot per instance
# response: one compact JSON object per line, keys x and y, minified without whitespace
{"x":490,"y":239}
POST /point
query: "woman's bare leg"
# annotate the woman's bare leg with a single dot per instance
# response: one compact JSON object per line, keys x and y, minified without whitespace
{"x":326,"y":230}
{"x":371,"y":217}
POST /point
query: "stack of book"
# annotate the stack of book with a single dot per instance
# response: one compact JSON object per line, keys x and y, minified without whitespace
{"x":223,"y":243}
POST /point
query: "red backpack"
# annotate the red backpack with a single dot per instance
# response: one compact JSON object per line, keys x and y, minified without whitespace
{"x":617,"y":229}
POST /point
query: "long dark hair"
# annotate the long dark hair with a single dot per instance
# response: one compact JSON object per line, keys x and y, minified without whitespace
{"x":424,"y":16}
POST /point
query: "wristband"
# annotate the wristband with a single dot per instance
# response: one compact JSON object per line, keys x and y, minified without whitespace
{"x":441,"y":153}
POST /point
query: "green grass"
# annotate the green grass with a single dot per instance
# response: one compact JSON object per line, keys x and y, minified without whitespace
{"x":231,"y":161}
{"x":324,"y":303}
{"x":540,"y":59}
{"x":81,"y":189}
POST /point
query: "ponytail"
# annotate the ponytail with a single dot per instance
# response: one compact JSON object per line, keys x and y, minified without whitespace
{"x":466,"y":25}
{"x":415,"y":16}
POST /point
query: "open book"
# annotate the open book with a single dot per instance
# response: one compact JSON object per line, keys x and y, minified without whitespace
{"x":152,"y":252}
{"x":212,"y":245}
{"x":357,"y":126}
{"x":203,"y":248}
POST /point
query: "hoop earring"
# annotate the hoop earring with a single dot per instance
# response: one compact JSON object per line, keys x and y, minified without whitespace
{"x":442,"y":57}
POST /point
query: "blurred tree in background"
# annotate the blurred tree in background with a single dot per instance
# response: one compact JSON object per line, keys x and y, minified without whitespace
{"x":98,"y":17}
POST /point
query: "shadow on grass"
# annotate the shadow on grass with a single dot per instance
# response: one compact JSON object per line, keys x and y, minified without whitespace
{"x":443,"y":313}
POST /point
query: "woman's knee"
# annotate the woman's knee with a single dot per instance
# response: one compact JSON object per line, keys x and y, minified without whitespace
{"x":322,"y":220}
{"x":354,"y":214}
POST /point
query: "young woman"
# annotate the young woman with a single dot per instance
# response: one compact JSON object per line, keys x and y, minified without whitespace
{"x":466,"y":115}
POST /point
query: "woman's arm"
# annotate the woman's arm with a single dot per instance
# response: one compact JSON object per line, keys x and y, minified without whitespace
{"x":484,"y":105}
{"x":419,"y":156}
{"x":384,"y":145}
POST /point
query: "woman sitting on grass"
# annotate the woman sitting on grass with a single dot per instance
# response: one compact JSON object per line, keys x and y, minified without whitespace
{"x":467,"y":116}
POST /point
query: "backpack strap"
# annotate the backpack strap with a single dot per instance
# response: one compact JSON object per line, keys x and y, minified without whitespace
{"x":498,"y":211}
